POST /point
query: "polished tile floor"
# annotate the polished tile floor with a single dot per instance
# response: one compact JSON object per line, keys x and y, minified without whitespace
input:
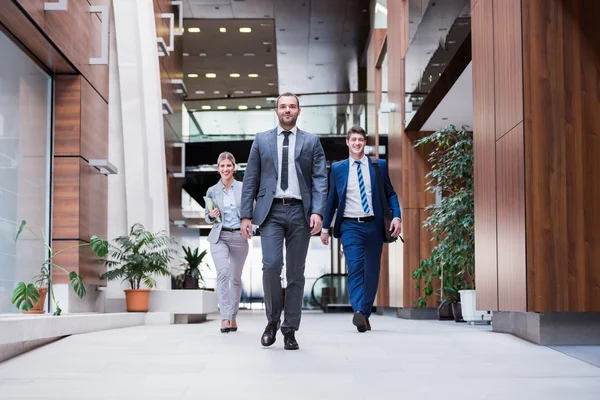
{"x":399,"y":359}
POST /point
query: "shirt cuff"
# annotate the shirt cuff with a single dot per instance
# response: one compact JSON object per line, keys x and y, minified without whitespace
{"x":398,"y":218}
{"x":324,"y":230}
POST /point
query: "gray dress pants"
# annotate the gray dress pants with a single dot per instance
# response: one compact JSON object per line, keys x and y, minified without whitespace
{"x":229,"y":255}
{"x":284,"y":223}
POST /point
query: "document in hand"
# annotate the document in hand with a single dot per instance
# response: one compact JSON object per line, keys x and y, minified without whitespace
{"x":210,"y":206}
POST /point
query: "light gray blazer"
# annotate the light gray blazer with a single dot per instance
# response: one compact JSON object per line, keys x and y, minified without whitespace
{"x":260,"y":179}
{"x":216,"y":194}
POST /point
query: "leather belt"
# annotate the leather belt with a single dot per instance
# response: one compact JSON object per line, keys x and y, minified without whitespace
{"x":231,"y":229}
{"x":360,"y":219}
{"x":288,"y":201}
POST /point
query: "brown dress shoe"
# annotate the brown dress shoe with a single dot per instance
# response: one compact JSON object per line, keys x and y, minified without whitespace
{"x":368,"y":324}
{"x":289,"y":341}
{"x":268,"y":336}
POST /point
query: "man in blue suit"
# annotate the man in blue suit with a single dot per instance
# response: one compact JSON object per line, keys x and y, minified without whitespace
{"x":354,"y":192}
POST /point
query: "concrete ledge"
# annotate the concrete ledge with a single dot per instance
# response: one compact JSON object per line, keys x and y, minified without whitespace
{"x":195,"y":302}
{"x":550,"y":329}
{"x":417,"y":313}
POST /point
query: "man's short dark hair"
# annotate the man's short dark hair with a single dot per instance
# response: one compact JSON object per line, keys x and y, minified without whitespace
{"x":356,"y":130}
{"x":288,"y":94}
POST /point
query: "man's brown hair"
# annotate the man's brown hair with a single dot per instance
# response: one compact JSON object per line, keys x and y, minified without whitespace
{"x":354,"y":130}
{"x":288,"y":94}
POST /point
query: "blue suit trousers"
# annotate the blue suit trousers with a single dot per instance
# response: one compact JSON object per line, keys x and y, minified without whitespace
{"x":362,"y":244}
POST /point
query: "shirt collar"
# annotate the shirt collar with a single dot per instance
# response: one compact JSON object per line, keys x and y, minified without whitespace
{"x":294,"y":130}
{"x":363,"y":160}
{"x":222,"y":186}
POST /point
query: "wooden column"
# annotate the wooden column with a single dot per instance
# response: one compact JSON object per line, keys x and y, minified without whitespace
{"x":536,"y":155}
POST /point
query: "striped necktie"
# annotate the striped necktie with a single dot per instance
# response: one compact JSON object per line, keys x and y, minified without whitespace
{"x":361,"y":186}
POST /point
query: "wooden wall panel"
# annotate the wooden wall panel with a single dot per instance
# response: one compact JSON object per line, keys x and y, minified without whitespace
{"x":561,"y":45}
{"x":412,"y":245}
{"x":508,"y":68}
{"x":65,"y":198}
{"x":67,"y":125}
{"x":81,"y":260}
{"x":484,"y":143}
{"x":93,"y":202}
{"x":94,"y":124}
{"x":510,"y":173}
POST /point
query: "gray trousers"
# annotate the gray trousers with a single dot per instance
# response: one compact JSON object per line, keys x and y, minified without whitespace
{"x":229,"y":255}
{"x":284,"y":222}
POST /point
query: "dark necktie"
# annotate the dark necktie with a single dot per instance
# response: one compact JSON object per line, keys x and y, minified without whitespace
{"x":284,"y":160}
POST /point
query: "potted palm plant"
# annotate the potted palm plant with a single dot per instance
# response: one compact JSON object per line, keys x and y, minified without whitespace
{"x":191,"y":278}
{"x":451,"y":221}
{"x":30,"y":297}
{"x":136,"y":258}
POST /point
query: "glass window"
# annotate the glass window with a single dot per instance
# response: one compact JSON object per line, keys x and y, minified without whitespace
{"x":25,"y":123}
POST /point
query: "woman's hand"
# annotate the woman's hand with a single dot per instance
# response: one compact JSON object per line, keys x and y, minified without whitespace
{"x":214,"y":213}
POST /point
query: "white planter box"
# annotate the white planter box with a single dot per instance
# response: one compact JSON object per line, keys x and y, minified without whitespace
{"x":468,"y":304}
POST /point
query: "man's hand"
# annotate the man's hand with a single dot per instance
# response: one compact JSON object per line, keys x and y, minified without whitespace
{"x":325,"y":238}
{"x":395,"y":228}
{"x":316,"y":222}
{"x":246,"y":228}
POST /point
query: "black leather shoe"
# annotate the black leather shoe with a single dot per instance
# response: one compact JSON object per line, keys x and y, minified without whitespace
{"x":359,"y":321}
{"x":367,"y":323}
{"x":289,"y":341}
{"x":268,"y":336}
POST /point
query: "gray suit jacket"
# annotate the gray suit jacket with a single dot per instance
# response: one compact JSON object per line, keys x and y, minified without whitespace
{"x":260,"y":179}
{"x":216,"y":194}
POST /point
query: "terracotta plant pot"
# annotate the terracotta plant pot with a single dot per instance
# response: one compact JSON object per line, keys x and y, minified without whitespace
{"x":137,"y":299}
{"x":38,"y":308}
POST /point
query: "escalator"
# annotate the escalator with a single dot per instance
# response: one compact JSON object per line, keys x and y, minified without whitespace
{"x":330,"y":292}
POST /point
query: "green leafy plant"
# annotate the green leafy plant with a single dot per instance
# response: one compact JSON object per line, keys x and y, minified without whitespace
{"x":191,"y":277}
{"x":26,"y":294}
{"x":137,"y":257}
{"x":452,"y":222}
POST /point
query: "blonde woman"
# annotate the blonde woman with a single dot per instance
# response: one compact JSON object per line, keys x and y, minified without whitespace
{"x":228,"y":247}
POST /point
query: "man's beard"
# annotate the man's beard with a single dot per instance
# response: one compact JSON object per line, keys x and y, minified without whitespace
{"x":292,"y":122}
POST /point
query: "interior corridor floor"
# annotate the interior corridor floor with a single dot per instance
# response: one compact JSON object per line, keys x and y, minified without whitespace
{"x":399,"y":359}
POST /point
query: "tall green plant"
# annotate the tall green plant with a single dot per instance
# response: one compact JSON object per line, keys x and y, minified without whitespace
{"x":192,"y":262}
{"x":451,"y":222}
{"x":137,"y":257}
{"x":26,"y":295}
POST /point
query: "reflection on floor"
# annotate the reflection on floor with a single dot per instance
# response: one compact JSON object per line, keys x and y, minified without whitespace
{"x":399,"y":359}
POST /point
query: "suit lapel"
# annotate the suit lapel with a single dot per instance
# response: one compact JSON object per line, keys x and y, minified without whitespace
{"x":344,"y":175}
{"x":272,"y":139}
{"x":376,"y":201}
{"x":219,"y":197}
{"x":299,"y":143}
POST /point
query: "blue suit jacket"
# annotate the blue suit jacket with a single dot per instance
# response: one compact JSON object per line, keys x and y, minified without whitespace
{"x":337,"y":195}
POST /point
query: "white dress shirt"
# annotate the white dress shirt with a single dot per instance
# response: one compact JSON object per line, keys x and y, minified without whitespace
{"x":293,"y":189}
{"x":354,"y":208}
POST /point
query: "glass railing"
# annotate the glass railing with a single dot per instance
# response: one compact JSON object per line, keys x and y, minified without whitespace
{"x":331,"y":291}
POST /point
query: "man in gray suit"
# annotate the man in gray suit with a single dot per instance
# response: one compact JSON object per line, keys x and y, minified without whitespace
{"x":287,"y":177}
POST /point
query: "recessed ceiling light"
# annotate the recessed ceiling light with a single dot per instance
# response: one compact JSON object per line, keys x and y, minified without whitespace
{"x":194,"y":110}
{"x":252,"y":75}
{"x":234,"y":75}
{"x":228,"y":54}
{"x":199,"y":91}
{"x":206,"y":107}
{"x":264,"y":25}
{"x":239,"y":92}
{"x":192,"y":75}
{"x":202,"y":54}
{"x":267,"y":43}
{"x":249,"y":54}
{"x":242,"y":107}
{"x":193,"y":30}
{"x":271,"y":84}
{"x":256,"y":92}
{"x":185,"y":54}
{"x":258,"y":107}
{"x":245,"y":30}
{"x":211,"y":75}
{"x":222,"y":108}
{"x":268,"y":65}
{"x":217,"y":92}
{"x":223,"y":29}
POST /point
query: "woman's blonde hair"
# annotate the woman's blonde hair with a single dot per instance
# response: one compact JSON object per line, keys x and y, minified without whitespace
{"x":226,"y":156}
